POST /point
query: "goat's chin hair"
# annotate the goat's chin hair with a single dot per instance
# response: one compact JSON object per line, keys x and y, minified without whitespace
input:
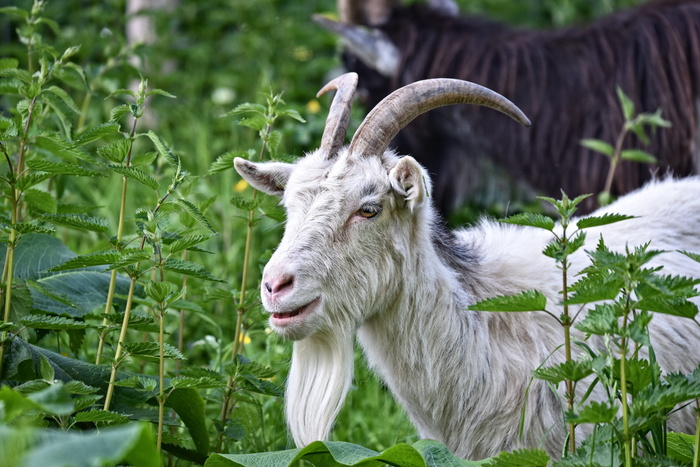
{"x":319,"y":380}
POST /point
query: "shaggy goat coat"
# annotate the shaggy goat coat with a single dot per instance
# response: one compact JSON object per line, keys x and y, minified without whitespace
{"x":362,"y":255}
{"x":564,"y":79}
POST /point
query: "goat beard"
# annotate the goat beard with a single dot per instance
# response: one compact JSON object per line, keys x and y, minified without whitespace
{"x":319,"y":379}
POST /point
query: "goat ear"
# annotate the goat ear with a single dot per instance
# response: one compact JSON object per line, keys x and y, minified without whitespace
{"x":409,"y":179}
{"x":268,"y":177}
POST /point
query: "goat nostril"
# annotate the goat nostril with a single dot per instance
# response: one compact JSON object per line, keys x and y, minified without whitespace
{"x":268,"y":287}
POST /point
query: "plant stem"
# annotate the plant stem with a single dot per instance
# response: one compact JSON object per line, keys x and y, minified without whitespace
{"x":696,"y":453}
{"x":623,"y":389}
{"x":615,"y":160}
{"x":120,"y":344}
{"x":161,"y":377}
{"x":120,"y":231}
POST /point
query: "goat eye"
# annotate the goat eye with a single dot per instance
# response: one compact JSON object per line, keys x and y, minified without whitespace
{"x":368,"y":211}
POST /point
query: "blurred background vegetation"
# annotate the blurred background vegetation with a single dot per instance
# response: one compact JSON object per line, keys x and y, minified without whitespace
{"x":213,"y":56}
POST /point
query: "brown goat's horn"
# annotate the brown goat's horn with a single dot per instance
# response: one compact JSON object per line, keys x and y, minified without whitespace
{"x":397,"y":110}
{"x":339,"y":113}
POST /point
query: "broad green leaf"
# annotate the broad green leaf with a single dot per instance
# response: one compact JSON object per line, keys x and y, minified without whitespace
{"x":60,"y":147}
{"x":246,"y":204}
{"x":163,"y":149}
{"x":626,"y":103}
{"x":54,"y":400}
{"x":601,"y":320}
{"x":8,"y":129}
{"x":573,"y":370}
{"x":145,"y":158}
{"x":102,"y":417}
{"x":78,"y":221}
{"x":188,"y":242}
{"x":529,"y":300}
{"x":162,"y":291}
{"x":63,"y":95}
{"x":680,"y":447}
{"x":291,"y":113}
{"x":49,"y":292}
{"x":598,"y":146}
{"x":160,"y":92}
{"x":40,"y":200}
{"x":637,"y":155}
{"x":246,"y":107}
{"x":95,"y":133}
{"x":133,"y":173}
{"x":37,"y":253}
{"x":132,"y":256}
{"x":29,"y":180}
{"x":273,"y":142}
{"x":532,"y":220}
{"x":151,"y":351}
{"x":255,"y":122}
{"x":693,"y":256}
{"x":595,"y":412}
{"x":129,"y":444}
{"x":195,"y":213}
{"x":56,"y":323}
{"x":33,"y":227}
{"x":225,"y":161}
{"x":591,"y":289}
{"x":6,"y":63}
{"x":118,"y":112}
{"x":138,"y":382}
{"x":96,"y":258}
{"x":116,"y":151}
{"x":16,"y":73}
{"x":189,"y":268}
{"x":597,"y":221}
{"x":197,"y":383}
{"x":62,"y":168}
{"x":189,"y":406}
{"x":520,"y":458}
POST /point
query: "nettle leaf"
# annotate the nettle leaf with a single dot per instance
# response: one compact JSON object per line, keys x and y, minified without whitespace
{"x":160,"y":92}
{"x":597,"y":221}
{"x":188,"y":242}
{"x":595,"y":412}
{"x":163,"y":149}
{"x":79,"y":221}
{"x":151,"y":351}
{"x":33,"y":226}
{"x":28,"y":180}
{"x":601,"y":320}
{"x":65,"y":98}
{"x":132,"y":256}
{"x":598,"y":146}
{"x":187,"y":305}
{"x":16,"y":73}
{"x":50,"y":292}
{"x":8,"y":129}
{"x":693,"y":256}
{"x":674,"y":391}
{"x":162,"y":291}
{"x":255,"y":122}
{"x":680,"y":447}
{"x":531,"y":220}
{"x":195,"y":213}
{"x":102,"y":417}
{"x":246,"y":107}
{"x":85,"y":402}
{"x":637,"y":155}
{"x":62,"y":168}
{"x":573,"y":370}
{"x":197,"y":383}
{"x":97,"y":258}
{"x":78,"y":387}
{"x":133,"y":173}
{"x":40,"y":200}
{"x":626,"y":103}
{"x":54,"y":323}
{"x":116,"y":151}
{"x":520,"y":458}
{"x":95,"y":133}
{"x":292,"y":114}
{"x":60,"y":147}
{"x":225,"y":161}
{"x":529,"y":300}
{"x":6,"y":63}
{"x":594,"y":289}
{"x":189,"y":268}
{"x":145,"y":158}
{"x":273,"y":143}
{"x":118,"y":112}
{"x":246,"y":204}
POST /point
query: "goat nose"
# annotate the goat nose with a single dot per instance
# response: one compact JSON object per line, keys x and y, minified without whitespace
{"x":279,"y":285}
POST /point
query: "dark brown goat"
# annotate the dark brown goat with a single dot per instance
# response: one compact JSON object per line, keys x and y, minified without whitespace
{"x":563,"y":79}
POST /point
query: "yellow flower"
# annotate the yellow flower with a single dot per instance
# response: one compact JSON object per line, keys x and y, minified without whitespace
{"x":313,"y":106}
{"x":240,"y":186}
{"x":244,"y":339}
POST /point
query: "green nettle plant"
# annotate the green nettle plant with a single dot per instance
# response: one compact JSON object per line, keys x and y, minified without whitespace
{"x":636,"y":124}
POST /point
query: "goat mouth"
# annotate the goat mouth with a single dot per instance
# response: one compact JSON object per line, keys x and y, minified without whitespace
{"x":282,"y":318}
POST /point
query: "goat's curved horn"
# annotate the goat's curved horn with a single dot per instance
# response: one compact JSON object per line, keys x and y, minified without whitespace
{"x":371,"y":46}
{"x":397,"y":110}
{"x":339,"y":113}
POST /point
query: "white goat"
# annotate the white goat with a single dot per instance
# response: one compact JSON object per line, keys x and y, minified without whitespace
{"x":363,"y":254}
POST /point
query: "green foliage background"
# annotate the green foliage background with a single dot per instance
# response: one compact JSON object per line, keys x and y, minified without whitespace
{"x":213,"y":56}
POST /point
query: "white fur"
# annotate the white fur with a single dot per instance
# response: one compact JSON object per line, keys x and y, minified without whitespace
{"x":461,"y":375}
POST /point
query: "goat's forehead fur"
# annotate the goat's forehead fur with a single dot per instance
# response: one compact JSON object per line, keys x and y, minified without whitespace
{"x":315,"y":178}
